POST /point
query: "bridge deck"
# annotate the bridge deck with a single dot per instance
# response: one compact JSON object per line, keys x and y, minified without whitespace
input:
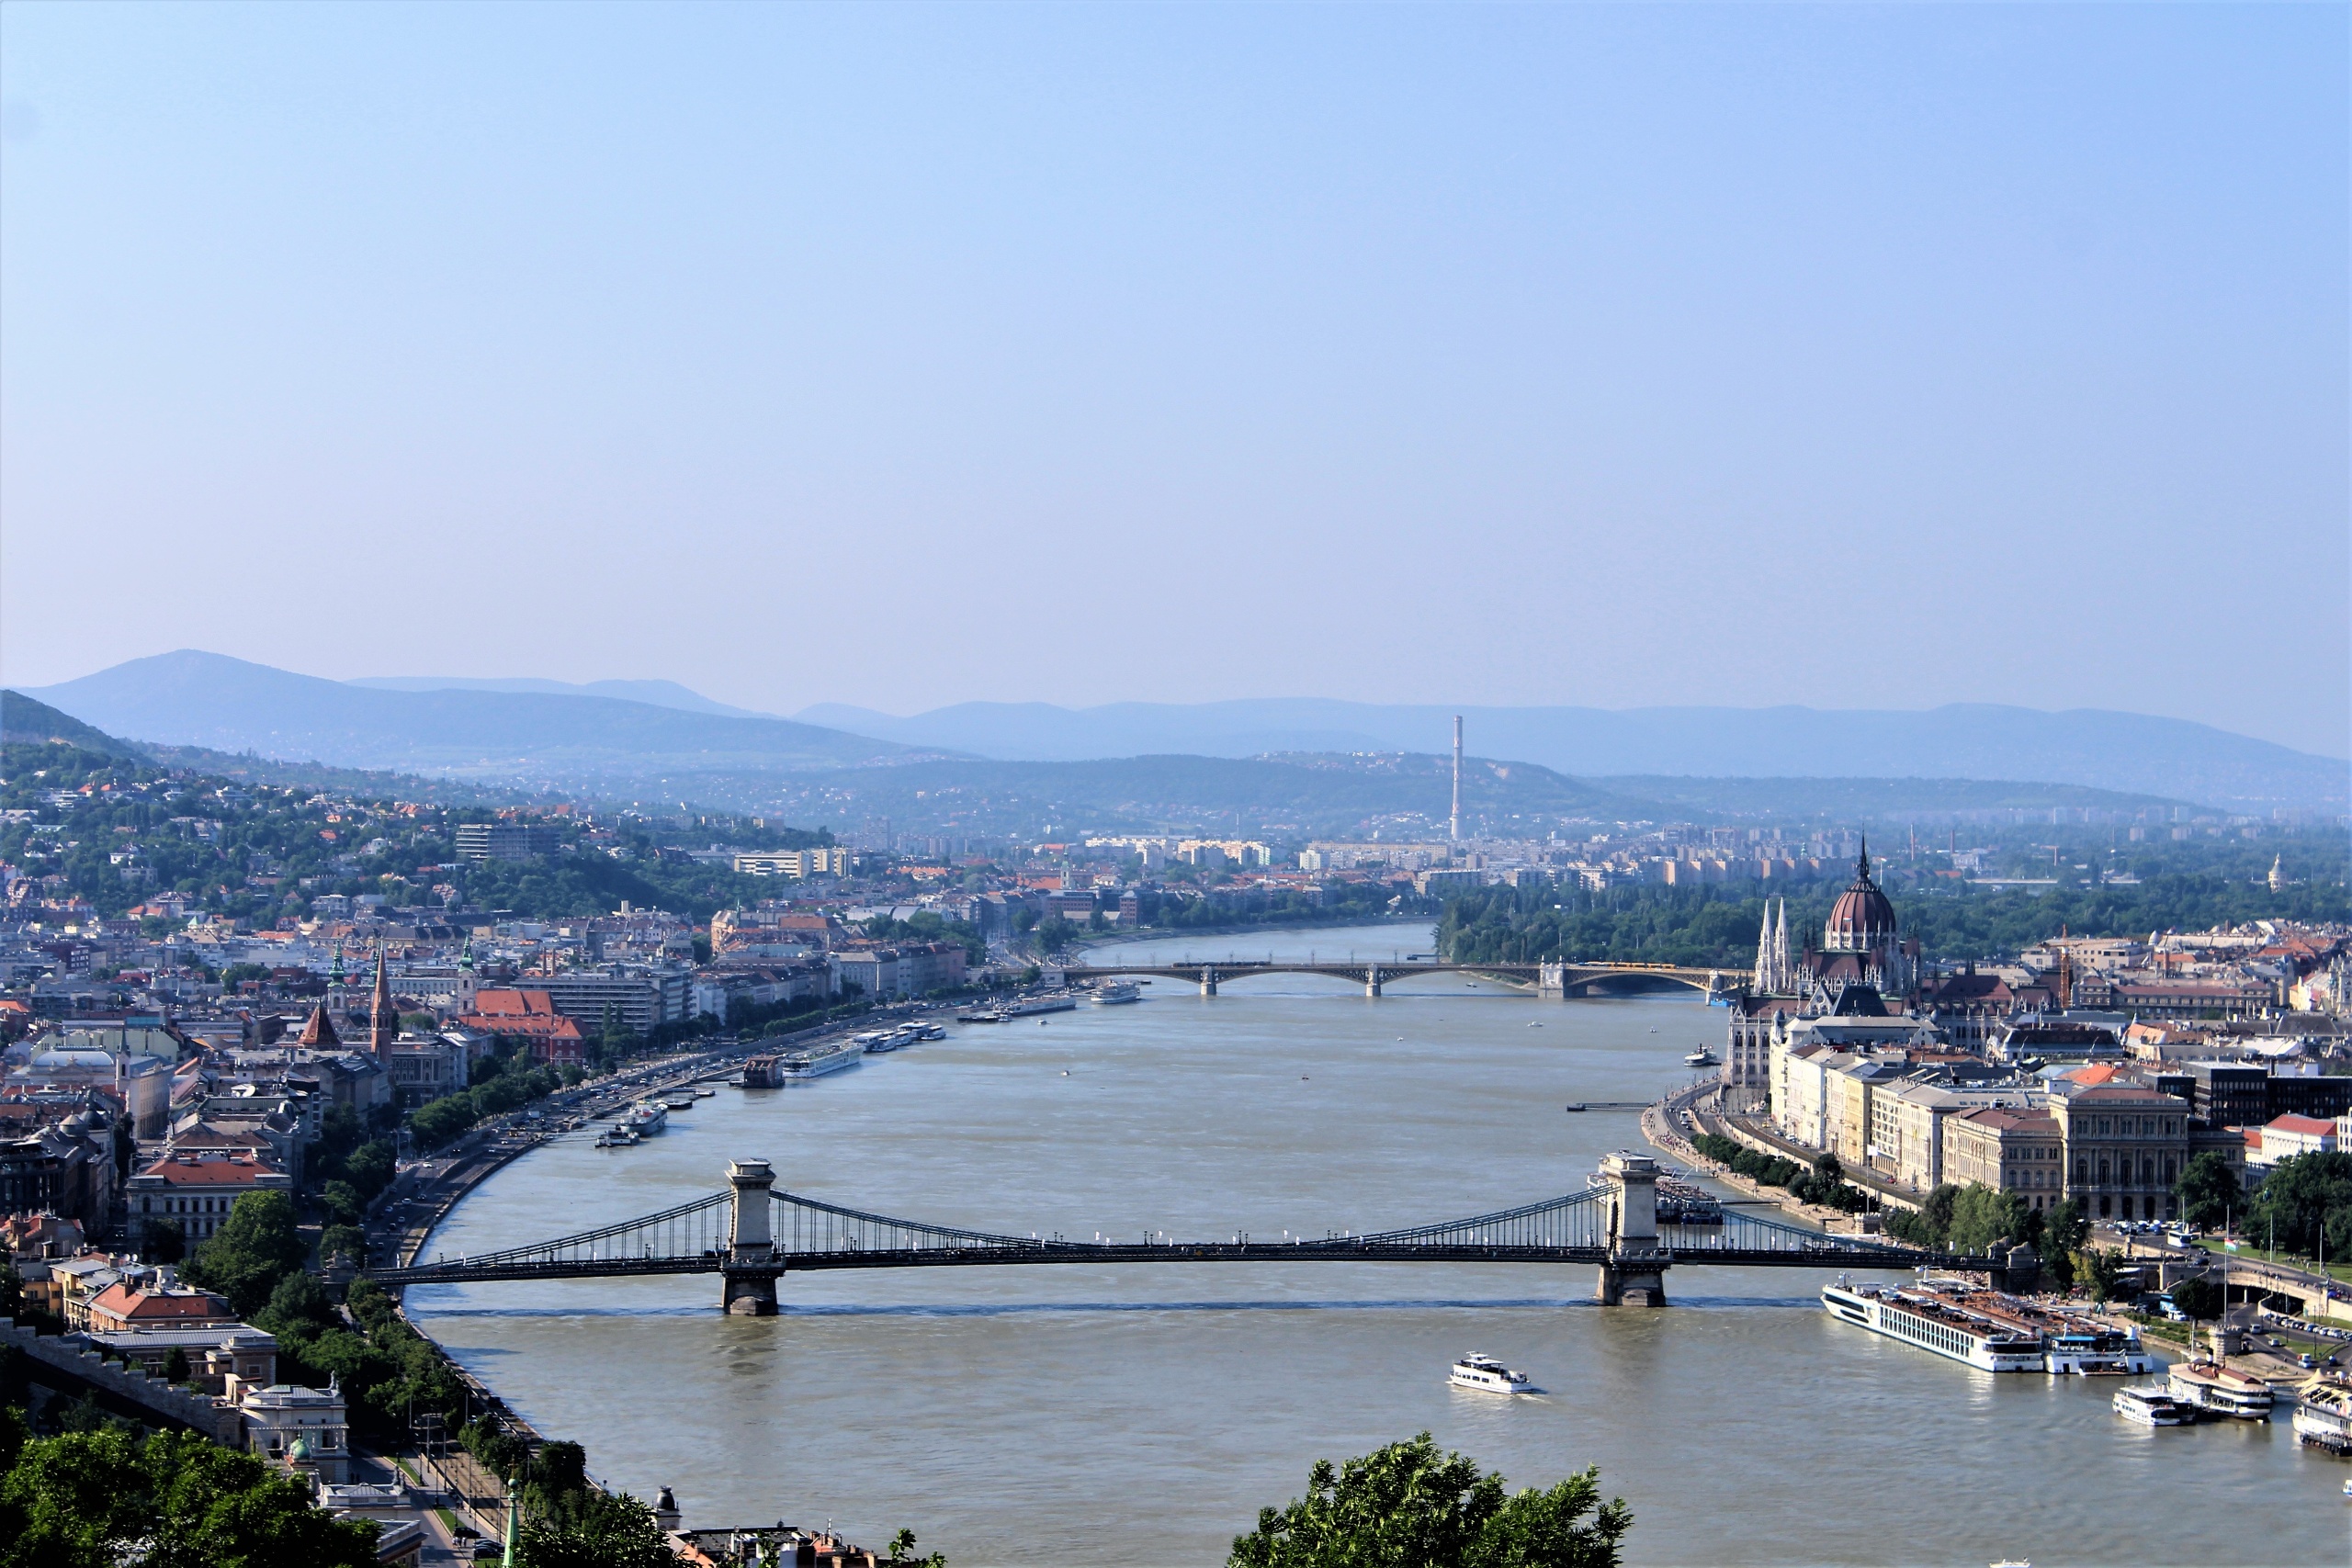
{"x":1831,"y":1255}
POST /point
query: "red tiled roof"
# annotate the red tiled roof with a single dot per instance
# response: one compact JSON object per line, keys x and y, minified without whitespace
{"x":522,"y":1003}
{"x":120,"y":1300}
{"x":2309,"y":1126}
{"x":209,"y":1170}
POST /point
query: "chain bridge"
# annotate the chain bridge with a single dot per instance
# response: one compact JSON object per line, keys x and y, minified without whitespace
{"x":751,"y":1235}
{"x":1549,"y":979}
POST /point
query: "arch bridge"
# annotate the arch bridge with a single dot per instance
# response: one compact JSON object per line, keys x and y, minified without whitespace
{"x":1623,"y":1226}
{"x":1549,"y":979}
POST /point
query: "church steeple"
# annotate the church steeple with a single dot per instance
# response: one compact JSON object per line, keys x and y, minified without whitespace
{"x":383,"y":1019}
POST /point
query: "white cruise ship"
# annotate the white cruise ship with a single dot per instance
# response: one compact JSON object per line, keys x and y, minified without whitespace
{"x":815,"y":1062}
{"x":1118,"y":994}
{"x":2151,"y":1407}
{"x":645,"y":1118}
{"x":1486,"y":1375}
{"x":1936,"y":1322}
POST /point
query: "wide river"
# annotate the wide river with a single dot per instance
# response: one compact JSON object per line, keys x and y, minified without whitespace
{"x":1143,"y":1415}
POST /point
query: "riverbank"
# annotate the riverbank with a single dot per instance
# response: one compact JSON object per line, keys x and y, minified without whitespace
{"x":1660,"y":1130}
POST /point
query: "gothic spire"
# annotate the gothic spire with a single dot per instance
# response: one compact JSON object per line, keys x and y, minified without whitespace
{"x":383,"y":1021}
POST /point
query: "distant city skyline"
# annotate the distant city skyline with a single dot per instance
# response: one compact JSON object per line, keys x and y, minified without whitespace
{"x":1842,"y":357}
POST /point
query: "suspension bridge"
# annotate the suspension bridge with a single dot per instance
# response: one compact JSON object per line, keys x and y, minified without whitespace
{"x":751,"y":1235}
{"x":1549,"y":979}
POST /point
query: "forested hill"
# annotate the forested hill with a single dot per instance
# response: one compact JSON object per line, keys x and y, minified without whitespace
{"x":1717,"y":925}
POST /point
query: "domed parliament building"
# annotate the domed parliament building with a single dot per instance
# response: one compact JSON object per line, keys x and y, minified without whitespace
{"x":1862,"y":962}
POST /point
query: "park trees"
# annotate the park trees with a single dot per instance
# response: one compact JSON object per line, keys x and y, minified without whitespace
{"x":255,"y":1246}
{"x":98,"y":1499}
{"x":1409,"y":1505}
{"x":2305,"y":1201}
{"x":2209,"y":1191}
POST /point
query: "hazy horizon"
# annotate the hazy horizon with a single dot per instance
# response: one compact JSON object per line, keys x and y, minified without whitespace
{"x":1844,"y":357}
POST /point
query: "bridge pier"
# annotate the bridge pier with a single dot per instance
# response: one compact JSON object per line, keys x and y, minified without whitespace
{"x":1208,"y":982}
{"x":749,"y":1294}
{"x":1634,"y":1273}
{"x":1372,"y":980}
{"x":749,"y":1271}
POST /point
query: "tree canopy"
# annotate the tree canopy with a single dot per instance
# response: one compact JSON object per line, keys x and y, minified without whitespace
{"x":101,"y":1500}
{"x":2209,"y":1191}
{"x":255,"y":1246}
{"x":2305,"y":1199}
{"x":1409,"y":1505}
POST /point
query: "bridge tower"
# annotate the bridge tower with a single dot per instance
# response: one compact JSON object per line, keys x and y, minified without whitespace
{"x":1635,"y":1271}
{"x":750,"y":1269}
{"x":1552,"y":980}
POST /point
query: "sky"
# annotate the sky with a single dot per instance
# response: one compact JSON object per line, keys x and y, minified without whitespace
{"x":1610,"y":355}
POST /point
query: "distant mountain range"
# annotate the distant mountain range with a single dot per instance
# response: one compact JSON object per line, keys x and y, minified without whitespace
{"x":2096,"y":749}
{"x":660,"y":741}
{"x":569,"y":739}
{"x":660,"y":693}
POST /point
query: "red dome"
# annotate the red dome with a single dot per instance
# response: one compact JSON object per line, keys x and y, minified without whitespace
{"x":1862,"y":919}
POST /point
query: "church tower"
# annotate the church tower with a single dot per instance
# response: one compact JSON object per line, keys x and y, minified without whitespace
{"x":384,"y":1019}
{"x":467,"y":984}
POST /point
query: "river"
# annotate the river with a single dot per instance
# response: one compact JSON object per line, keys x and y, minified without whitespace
{"x":1141,"y":1415}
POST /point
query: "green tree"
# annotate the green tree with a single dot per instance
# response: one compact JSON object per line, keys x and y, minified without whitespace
{"x":176,"y":1367}
{"x":2209,"y":1191}
{"x":343,"y":1241}
{"x":2200,"y":1297}
{"x":2066,"y":1228}
{"x":99,"y":1500}
{"x":608,"y":1532}
{"x":1982,"y":1215}
{"x":164,"y":1242}
{"x":1407,"y":1505}
{"x":2101,"y":1270}
{"x":2302,"y":1201}
{"x":255,"y":1246}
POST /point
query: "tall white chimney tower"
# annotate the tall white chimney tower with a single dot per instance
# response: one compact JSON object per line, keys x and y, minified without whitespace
{"x":1456,"y":823}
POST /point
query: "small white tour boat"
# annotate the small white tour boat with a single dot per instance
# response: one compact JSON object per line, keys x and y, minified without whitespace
{"x":1486,"y":1375}
{"x":2151,"y":1407}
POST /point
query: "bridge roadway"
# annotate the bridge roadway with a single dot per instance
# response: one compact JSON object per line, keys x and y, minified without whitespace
{"x":1549,"y":979}
{"x":752,"y":1236}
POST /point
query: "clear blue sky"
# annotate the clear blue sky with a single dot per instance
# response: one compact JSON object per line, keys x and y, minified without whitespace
{"x":898,"y":356}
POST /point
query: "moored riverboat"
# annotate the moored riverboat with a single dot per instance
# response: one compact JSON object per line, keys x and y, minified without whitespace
{"x":2217,"y":1390}
{"x":2323,"y":1419}
{"x":2152,"y":1407}
{"x":2093,"y":1348}
{"x":800,"y":1066}
{"x":1940,"y":1320}
{"x":645,"y":1118}
{"x":762,"y":1072}
{"x":1030,"y":1006}
{"x":1118,"y":994}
